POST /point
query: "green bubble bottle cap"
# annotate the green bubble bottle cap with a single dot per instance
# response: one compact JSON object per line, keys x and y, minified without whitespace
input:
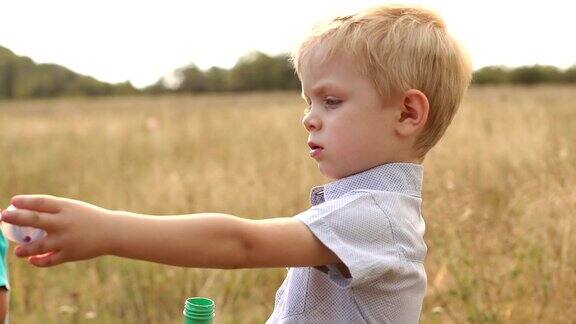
{"x":198,"y":310}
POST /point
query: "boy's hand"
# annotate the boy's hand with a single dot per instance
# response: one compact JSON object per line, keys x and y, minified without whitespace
{"x":75,"y":230}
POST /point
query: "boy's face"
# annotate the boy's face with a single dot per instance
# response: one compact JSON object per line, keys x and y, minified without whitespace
{"x":350,"y":128}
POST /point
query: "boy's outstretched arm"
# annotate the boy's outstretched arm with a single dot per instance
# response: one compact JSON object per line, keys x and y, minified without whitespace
{"x":79,"y":231}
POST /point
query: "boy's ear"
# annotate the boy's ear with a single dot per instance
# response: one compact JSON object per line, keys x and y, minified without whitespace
{"x":413,"y":113}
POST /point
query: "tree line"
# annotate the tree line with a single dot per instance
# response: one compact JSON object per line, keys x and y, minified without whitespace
{"x":20,"y":78}
{"x":526,"y":75}
{"x":253,"y":72}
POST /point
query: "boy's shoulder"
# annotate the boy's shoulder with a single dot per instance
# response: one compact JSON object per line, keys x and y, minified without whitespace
{"x":363,"y":217}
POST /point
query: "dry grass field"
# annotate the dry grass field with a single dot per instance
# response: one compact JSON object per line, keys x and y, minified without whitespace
{"x":499,"y":201}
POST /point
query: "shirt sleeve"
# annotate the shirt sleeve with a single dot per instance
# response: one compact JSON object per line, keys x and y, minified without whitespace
{"x":3,"y":266}
{"x":358,"y":232}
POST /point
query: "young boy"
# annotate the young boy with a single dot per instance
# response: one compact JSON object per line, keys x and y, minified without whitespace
{"x":381,"y":86}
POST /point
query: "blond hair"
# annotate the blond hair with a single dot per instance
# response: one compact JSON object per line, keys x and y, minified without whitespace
{"x":400,"y":48}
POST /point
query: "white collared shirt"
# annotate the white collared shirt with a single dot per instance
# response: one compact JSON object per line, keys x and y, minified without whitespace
{"x":372,"y":221}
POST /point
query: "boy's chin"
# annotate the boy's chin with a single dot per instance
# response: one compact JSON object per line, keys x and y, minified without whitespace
{"x":331,"y":172}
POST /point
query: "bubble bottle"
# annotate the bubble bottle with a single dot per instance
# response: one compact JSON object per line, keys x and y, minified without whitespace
{"x":199,"y":310}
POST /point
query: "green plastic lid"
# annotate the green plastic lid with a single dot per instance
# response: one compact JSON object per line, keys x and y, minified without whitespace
{"x":199,"y":308}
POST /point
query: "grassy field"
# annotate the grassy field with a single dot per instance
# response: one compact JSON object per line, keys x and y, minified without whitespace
{"x":499,"y":201}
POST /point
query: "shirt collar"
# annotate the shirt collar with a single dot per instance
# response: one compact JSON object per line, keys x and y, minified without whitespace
{"x":396,"y":177}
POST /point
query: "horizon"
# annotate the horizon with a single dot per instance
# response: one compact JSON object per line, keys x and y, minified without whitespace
{"x":162,"y":37}
{"x":166,"y":78}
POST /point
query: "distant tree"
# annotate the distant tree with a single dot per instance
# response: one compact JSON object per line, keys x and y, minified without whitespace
{"x":258,"y":71}
{"x":217,"y":79}
{"x":250,"y":72}
{"x":124,"y":88}
{"x":192,"y":79}
{"x":287,"y":75}
{"x":535,"y":74}
{"x":157,"y":88}
{"x":570,"y":74}
{"x":491,"y":75}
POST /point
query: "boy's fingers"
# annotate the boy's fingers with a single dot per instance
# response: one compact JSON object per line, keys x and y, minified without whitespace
{"x":39,"y":247}
{"x":41,"y":203}
{"x":23,"y":217}
{"x":47,"y":260}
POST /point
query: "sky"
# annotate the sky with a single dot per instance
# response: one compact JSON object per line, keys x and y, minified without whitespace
{"x":142,"y":41}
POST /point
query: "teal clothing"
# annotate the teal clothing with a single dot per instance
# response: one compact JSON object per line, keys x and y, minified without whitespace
{"x":3,"y":266}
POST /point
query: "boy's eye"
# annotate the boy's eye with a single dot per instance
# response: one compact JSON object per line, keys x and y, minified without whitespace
{"x":332,"y":102}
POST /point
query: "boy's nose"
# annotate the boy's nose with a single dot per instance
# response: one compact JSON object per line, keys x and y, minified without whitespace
{"x":311,"y":122}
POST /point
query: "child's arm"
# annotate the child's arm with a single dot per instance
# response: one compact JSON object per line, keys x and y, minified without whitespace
{"x":78,"y":231}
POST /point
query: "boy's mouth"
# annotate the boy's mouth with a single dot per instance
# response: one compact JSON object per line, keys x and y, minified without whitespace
{"x":315,"y":149}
